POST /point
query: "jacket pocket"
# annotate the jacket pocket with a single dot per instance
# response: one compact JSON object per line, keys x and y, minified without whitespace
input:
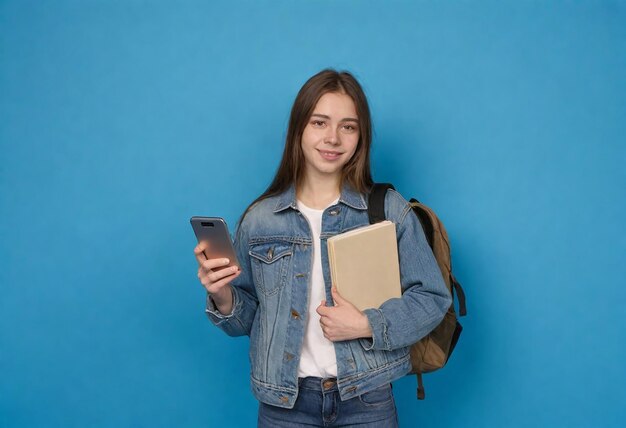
{"x":270,"y":264}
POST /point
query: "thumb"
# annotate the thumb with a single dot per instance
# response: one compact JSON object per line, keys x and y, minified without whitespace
{"x":337,"y":297}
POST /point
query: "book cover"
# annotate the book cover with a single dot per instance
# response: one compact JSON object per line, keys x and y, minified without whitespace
{"x":364,"y":264}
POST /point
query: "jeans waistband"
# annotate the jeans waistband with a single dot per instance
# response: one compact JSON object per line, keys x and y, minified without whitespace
{"x":324,"y":384}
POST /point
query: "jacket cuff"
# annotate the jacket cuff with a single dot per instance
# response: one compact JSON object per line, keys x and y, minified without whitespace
{"x":378,"y":324}
{"x":214,"y":314}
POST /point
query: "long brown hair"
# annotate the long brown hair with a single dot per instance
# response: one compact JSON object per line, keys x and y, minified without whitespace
{"x":356,"y":172}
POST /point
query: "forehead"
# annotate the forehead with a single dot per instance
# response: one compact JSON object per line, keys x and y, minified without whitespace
{"x":336,"y":104}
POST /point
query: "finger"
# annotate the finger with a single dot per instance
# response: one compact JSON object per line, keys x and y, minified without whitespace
{"x":226,"y":280}
{"x":337,"y":297}
{"x":217,"y":275}
{"x":326,"y":323}
{"x":199,"y":251}
{"x":211,"y":276}
{"x":328,"y":335}
{"x":323,"y":310}
{"x":213,"y":264}
{"x":216,"y":286}
{"x":200,"y":247}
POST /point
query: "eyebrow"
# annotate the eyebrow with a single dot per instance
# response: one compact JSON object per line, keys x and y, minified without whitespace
{"x":345,"y":119}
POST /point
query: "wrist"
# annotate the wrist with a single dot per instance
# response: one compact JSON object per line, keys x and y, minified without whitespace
{"x":366,"y":329}
{"x":223,"y":299}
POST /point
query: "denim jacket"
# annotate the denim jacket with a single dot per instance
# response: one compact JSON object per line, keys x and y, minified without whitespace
{"x":274,"y":247}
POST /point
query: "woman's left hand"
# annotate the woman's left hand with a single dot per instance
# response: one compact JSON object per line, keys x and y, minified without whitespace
{"x":343,"y":321}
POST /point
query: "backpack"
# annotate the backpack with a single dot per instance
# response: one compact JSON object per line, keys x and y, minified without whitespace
{"x":434,"y":349}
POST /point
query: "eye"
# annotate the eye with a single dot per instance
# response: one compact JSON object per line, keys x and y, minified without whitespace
{"x":349,"y":127}
{"x":317,"y":123}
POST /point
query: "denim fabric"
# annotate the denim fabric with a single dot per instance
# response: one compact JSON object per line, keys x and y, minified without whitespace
{"x":275,"y":250}
{"x":318,"y":405}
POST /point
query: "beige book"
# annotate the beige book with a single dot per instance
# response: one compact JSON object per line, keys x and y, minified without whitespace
{"x":364,"y":264}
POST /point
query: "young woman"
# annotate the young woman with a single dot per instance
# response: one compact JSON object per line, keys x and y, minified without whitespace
{"x":316,"y":360}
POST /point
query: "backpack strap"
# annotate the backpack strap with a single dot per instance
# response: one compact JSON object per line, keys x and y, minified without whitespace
{"x":421,"y":392}
{"x":376,"y":202}
{"x":460,"y":295}
{"x":424,"y":219}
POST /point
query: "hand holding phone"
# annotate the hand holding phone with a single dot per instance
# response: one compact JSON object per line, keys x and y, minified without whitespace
{"x":217,"y":260}
{"x":212,"y":232}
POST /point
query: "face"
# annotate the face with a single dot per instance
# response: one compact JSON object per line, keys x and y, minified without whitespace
{"x":330,"y":137}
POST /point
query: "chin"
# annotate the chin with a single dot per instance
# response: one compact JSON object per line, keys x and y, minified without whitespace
{"x":330,"y":166}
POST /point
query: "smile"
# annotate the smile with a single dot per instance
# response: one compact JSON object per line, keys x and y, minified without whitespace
{"x":329,"y":155}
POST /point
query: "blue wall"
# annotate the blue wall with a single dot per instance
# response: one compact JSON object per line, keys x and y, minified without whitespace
{"x":119,"y":120}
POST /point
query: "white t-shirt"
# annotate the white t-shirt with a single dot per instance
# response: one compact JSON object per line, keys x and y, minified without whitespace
{"x":318,"y":353}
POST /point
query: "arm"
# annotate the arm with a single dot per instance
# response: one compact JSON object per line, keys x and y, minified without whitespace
{"x":238,"y":321}
{"x":400,"y":322}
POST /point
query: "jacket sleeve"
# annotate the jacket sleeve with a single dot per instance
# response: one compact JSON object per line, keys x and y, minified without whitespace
{"x":245,"y":302}
{"x":400,"y":322}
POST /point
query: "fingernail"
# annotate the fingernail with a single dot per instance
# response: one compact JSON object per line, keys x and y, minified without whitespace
{"x":225,"y":261}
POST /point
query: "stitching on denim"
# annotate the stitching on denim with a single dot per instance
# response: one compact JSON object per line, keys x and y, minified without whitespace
{"x":272,"y":386}
{"x":384,"y":333}
{"x":263,"y":257}
{"x":237,"y":311}
{"x":387,"y":367}
{"x":272,"y":238}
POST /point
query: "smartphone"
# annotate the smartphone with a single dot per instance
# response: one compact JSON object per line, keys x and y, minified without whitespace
{"x":214,"y":231}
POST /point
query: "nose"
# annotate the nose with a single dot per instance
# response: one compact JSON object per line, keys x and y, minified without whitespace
{"x":331,"y":137}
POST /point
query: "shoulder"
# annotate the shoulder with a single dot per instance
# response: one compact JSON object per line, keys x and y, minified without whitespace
{"x":396,"y":206}
{"x":259,"y":214}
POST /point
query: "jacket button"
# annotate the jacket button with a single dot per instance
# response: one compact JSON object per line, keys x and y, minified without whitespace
{"x":294,"y":314}
{"x":270,"y":253}
{"x":334,"y":212}
{"x":284,"y":399}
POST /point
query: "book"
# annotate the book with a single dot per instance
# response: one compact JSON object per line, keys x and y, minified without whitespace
{"x":364,"y":264}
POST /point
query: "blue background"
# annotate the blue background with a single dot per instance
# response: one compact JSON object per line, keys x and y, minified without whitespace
{"x":119,"y":120}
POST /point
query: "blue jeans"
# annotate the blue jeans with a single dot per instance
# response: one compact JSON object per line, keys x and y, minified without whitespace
{"x":318,"y":405}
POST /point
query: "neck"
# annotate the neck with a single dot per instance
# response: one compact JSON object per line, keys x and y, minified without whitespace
{"x":319,"y":194}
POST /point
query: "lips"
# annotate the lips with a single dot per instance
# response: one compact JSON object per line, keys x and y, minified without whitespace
{"x":329,"y":154}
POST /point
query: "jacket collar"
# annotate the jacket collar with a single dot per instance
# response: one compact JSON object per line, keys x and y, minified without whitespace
{"x":348,"y":196}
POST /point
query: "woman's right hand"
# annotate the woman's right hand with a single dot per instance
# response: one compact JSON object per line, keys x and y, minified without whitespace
{"x":216,"y":280}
